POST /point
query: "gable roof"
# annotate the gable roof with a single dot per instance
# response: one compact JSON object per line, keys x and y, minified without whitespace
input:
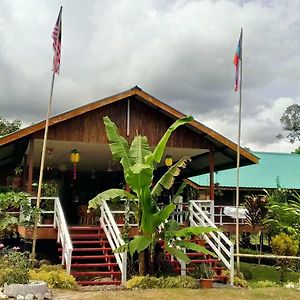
{"x":224,"y":153}
{"x":274,"y":170}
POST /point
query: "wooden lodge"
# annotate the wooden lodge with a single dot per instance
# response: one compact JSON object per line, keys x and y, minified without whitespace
{"x":134,"y":112}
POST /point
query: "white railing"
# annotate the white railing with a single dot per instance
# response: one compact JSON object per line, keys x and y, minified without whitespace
{"x":113,"y":235}
{"x":63,"y":235}
{"x":53,"y":212}
{"x":221,"y":218}
{"x":218,"y":241}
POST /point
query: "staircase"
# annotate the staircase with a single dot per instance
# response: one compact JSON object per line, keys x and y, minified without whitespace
{"x":93,"y":262}
{"x":199,"y":258}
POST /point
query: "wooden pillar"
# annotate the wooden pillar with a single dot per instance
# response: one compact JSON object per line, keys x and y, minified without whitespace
{"x":30,"y":166}
{"x":25,"y":171}
{"x":211,"y":174}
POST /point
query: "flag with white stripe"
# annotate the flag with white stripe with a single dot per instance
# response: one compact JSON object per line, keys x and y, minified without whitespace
{"x":56,"y":36}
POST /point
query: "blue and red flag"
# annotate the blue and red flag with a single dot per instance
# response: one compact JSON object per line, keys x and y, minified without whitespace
{"x":236,"y":61}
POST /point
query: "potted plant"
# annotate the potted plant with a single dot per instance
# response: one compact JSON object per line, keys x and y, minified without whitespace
{"x":204,"y":274}
{"x":17,"y":178}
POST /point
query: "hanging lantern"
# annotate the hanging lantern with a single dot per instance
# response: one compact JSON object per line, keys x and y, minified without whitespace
{"x":168,"y":161}
{"x":75,"y":158}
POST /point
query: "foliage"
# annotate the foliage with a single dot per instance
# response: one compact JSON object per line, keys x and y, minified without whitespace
{"x":49,"y":189}
{"x":246,"y":271}
{"x":297,"y":150}
{"x":285,"y":245}
{"x":256,"y":206}
{"x":290,"y":121}
{"x":139,"y":164}
{"x":10,"y":204}
{"x":271,"y":273}
{"x":283,"y":213}
{"x":14,"y":266}
{"x":147,"y":282}
{"x":7,"y":127}
{"x":264,"y":284}
{"x":202,"y":271}
{"x":55,"y":276}
{"x":239,"y":281}
{"x":253,"y":260}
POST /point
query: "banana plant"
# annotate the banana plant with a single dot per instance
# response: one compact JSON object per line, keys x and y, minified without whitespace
{"x":139,"y":164}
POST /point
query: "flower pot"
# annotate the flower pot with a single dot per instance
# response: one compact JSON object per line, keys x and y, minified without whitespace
{"x":206,"y":283}
{"x":133,"y":231}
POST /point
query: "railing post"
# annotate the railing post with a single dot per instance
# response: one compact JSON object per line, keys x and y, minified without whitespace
{"x":124,"y":267}
{"x":212,"y":211}
{"x":231,"y":265}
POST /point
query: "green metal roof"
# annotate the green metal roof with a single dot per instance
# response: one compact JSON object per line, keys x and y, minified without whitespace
{"x":273,"y":169}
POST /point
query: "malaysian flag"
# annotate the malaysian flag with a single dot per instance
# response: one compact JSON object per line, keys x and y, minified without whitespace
{"x":56,"y":35}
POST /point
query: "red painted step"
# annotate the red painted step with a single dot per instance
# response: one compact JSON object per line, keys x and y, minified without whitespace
{"x":96,"y":257}
{"x":81,"y":236}
{"x":115,"y":282}
{"x":88,"y":241}
{"x":95,"y":273}
{"x":93,"y":242}
{"x":93,"y":265}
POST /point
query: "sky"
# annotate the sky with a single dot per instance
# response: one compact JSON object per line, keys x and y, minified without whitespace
{"x":181,"y":52}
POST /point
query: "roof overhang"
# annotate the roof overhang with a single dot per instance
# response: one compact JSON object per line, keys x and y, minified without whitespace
{"x":224,"y":150}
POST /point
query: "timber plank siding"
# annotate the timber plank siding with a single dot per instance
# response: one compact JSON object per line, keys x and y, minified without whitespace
{"x":144,"y":120}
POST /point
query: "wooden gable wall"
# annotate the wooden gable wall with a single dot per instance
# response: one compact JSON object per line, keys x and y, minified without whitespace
{"x":145,"y":120}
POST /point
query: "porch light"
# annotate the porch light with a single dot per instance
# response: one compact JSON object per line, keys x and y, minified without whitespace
{"x":168,"y":160}
{"x":74,"y":158}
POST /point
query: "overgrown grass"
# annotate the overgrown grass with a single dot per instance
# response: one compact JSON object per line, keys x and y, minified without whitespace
{"x":262,"y":272}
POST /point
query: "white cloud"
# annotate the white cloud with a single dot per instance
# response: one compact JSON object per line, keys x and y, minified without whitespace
{"x":179,"y":51}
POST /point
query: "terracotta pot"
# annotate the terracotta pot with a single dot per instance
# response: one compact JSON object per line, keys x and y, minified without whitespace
{"x":201,"y":242}
{"x":133,"y":231}
{"x":206,"y":283}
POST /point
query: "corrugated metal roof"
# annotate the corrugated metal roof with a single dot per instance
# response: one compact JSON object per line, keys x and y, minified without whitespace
{"x":273,"y":169}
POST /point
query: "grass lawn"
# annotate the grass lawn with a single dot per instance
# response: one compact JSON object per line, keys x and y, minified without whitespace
{"x":262,"y":272}
{"x":182,"y":294}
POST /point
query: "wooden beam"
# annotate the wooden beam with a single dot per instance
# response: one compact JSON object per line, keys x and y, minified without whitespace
{"x":211,"y":175}
{"x":30,"y":166}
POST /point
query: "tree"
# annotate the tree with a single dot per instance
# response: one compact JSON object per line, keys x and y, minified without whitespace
{"x":297,"y":150}
{"x":290,"y":122}
{"x":7,"y":127}
{"x":139,"y":164}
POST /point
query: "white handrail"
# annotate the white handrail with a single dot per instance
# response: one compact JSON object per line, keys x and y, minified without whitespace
{"x":63,"y":235}
{"x":218,"y":241}
{"x":114,"y":238}
{"x":60,"y":223}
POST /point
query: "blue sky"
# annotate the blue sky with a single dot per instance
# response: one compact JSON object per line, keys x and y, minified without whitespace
{"x":179,"y":51}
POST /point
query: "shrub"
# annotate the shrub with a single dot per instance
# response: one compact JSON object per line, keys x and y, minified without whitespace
{"x":246,"y":272}
{"x":240,"y":282}
{"x":14,"y":266}
{"x":254,"y":260}
{"x":55,"y":276}
{"x":147,"y":282}
{"x":283,"y":244}
{"x":237,"y":280}
{"x":264,"y":284}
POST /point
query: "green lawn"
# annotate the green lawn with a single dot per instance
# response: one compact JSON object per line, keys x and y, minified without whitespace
{"x":262,"y":272}
{"x":182,"y":294}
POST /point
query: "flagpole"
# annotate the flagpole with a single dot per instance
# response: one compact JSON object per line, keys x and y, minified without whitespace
{"x":39,"y":193}
{"x":238,"y":159}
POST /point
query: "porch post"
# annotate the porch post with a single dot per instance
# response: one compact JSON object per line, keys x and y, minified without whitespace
{"x":211,"y":184}
{"x":30,"y":167}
